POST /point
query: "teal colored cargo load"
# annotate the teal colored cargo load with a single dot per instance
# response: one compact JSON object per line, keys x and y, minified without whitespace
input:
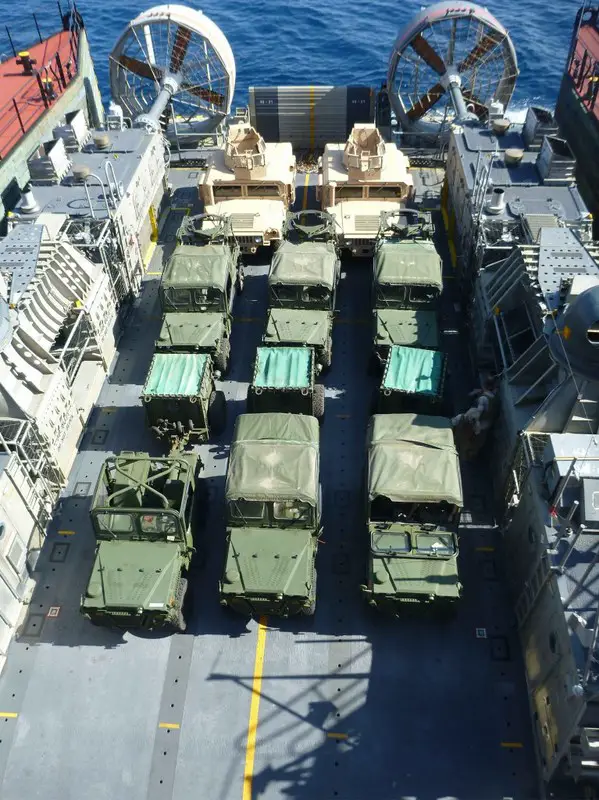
{"x":410,"y":369}
{"x":283,"y":367}
{"x":176,"y":374}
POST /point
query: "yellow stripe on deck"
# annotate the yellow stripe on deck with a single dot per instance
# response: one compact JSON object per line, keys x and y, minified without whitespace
{"x":173,"y":725}
{"x":337,"y":735}
{"x":306,"y":186}
{"x":8,"y":715}
{"x":250,"y":749}
{"x":517,"y":745}
{"x":312,"y":104}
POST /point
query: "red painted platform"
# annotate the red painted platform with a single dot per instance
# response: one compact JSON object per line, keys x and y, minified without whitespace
{"x":584,"y":64}
{"x":21,"y":100}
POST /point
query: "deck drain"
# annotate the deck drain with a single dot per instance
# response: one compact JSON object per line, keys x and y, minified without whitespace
{"x":341,"y":563}
{"x":82,"y":488}
{"x":99,"y":437}
{"x":342,"y":497}
{"x":500,"y":650}
{"x":58,"y":554}
{"x":35,"y":623}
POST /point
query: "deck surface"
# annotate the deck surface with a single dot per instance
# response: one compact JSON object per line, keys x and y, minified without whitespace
{"x":349,"y":704}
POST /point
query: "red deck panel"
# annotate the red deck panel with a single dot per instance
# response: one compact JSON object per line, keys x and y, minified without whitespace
{"x":24,"y":89}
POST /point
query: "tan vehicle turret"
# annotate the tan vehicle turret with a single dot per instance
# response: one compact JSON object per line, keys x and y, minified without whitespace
{"x":252,"y":182}
{"x":358,"y":181}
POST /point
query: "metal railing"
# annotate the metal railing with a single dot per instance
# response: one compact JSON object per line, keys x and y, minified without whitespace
{"x":46,"y":84}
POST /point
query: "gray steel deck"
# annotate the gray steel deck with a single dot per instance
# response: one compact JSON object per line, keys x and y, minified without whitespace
{"x":351,"y":705}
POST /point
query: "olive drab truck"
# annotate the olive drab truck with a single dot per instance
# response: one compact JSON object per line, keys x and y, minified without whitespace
{"x":302,"y":286}
{"x":406,"y":285}
{"x":358,"y":181}
{"x":142,"y":511}
{"x":253,"y":183}
{"x":273,"y":508}
{"x":413,"y":494}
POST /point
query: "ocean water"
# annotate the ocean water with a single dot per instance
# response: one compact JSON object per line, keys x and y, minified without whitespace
{"x":320,"y":41}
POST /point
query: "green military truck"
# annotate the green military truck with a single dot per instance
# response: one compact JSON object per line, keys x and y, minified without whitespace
{"x":302,"y":286}
{"x":413,"y":380}
{"x":413,"y":504}
{"x":142,"y":511}
{"x":406,"y":285}
{"x":273,"y":507}
{"x":284,"y":380}
{"x":198,"y":288}
{"x":181,"y":401}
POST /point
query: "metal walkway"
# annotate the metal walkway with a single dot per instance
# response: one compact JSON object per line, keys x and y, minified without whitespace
{"x":346,"y":705}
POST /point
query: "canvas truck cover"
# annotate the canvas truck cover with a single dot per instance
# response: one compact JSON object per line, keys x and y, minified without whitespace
{"x":307,"y":263}
{"x":410,"y":369}
{"x":274,"y":456}
{"x":412,"y":458}
{"x":188,"y":329}
{"x":406,"y":326}
{"x":192,"y":265}
{"x":175,"y":375}
{"x":408,"y":263}
{"x":283,"y":367}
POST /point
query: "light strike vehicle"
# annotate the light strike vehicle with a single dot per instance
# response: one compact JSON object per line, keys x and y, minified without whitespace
{"x":142,"y":515}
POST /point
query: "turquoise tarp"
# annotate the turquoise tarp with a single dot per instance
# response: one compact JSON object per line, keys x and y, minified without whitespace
{"x":280,"y":367}
{"x":410,"y":369}
{"x":176,"y":374}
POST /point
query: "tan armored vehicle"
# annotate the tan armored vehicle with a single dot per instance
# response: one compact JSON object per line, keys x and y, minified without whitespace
{"x":252,"y":182}
{"x":360,"y":180}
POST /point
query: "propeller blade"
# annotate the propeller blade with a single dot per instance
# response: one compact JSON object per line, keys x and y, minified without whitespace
{"x":479,"y":108}
{"x":182,"y":39}
{"x":426,"y":101}
{"x":141,"y":68}
{"x":427,"y":54}
{"x":206,"y":94}
{"x":487,"y":43}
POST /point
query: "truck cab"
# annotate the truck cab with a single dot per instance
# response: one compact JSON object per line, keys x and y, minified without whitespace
{"x":142,"y":517}
{"x":272,"y":508}
{"x":302,"y":286}
{"x":413,"y":497}
{"x":358,"y":181}
{"x":253,"y":183}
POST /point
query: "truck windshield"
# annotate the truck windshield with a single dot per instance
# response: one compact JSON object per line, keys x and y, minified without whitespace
{"x":176,"y":299}
{"x":390,"y":542}
{"x":245,"y":511}
{"x":292,"y":512}
{"x":284,"y":295}
{"x":317,"y":296}
{"x":208,"y":297}
{"x":114,"y":522}
{"x":422,"y":295}
{"x":441,"y":544}
{"x":382,"y":509}
{"x":158,"y":524}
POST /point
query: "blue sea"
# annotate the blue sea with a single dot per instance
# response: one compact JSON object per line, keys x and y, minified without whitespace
{"x":312,"y":42}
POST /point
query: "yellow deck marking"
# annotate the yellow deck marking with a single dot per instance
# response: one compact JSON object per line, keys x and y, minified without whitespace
{"x":174,"y":725}
{"x":153,"y":224}
{"x":66,"y":533}
{"x":250,"y":749}
{"x":108,"y":409}
{"x":337,"y":735}
{"x":247,"y":319}
{"x":343,"y":416}
{"x":8,"y":715}
{"x":485,"y":549}
{"x":305,"y":198}
{"x":311,"y":117}
{"x":512,"y":744}
{"x":153,"y":273}
{"x":149,"y":254}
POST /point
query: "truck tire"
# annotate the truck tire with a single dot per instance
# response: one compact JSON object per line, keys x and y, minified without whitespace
{"x":327,"y":354}
{"x":221,"y":359}
{"x":318,"y":402}
{"x":217,"y":413}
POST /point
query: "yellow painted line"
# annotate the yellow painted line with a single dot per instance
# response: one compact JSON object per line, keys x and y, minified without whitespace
{"x":337,"y":735}
{"x":305,"y":198}
{"x":153,"y":223}
{"x":66,"y":533}
{"x":173,"y":725}
{"x":153,"y":273}
{"x":8,"y":715}
{"x":518,"y":745}
{"x":108,"y":409}
{"x":343,"y":416}
{"x":485,"y":549}
{"x":312,"y":102}
{"x":149,"y":254}
{"x":250,"y":749}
